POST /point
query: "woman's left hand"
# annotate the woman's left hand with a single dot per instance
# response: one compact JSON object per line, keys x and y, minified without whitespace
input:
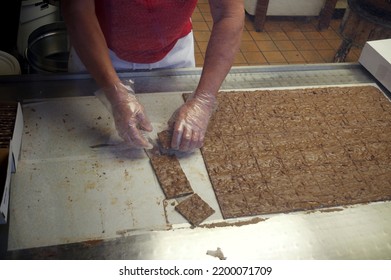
{"x":190,"y":121}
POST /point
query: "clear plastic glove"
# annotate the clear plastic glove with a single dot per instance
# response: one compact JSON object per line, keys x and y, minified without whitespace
{"x":129,"y":115}
{"x":190,"y":121}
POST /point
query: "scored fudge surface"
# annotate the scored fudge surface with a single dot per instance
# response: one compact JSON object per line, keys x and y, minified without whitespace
{"x":271,"y":151}
{"x":194,"y":209}
{"x":170,"y":175}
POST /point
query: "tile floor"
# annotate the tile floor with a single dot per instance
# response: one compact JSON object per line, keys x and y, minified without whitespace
{"x":283,"y":41}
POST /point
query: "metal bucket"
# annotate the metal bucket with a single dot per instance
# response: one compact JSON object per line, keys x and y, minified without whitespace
{"x":48,"y":48}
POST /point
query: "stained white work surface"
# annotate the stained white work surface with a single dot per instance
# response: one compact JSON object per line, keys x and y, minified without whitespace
{"x":77,"y":182}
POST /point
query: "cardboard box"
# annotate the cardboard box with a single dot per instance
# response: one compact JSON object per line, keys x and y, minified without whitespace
{"x":9,"y":163}
{"x":376,"y":58}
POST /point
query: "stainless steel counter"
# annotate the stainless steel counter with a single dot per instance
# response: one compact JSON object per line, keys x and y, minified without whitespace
{"x":356,"y":232}
{"x":37,"y":86}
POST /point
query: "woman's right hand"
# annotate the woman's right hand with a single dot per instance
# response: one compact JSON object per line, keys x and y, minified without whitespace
{"x":129,"y":115}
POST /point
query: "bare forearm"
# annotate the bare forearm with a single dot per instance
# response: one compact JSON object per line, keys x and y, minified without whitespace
{"x":223,"y":45}
{"x":87,"y":38}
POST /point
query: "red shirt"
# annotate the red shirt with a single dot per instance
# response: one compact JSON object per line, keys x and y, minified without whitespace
{"x":144,"y":31}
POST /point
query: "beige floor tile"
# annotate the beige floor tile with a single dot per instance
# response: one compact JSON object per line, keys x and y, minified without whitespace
{"x":260,"y":36}
{"x":202,"y":46}
{"x":312,"y":56}
{"x":308,"y":27}
{"x":200,"y":26}
{"x":327,"y":55}
{"x":255,"y":58}
{"x":196,"y":48}
{"x":353,"y":55}
{"x":330,"y":34}
{"x":246,"y":36}
{"x":278,"y":35}
{"x":295,"y":35}
{"x":313,"y":35}
{"x":285,"y":45}
{"x":335,"y":43}
{"x":272,"y":26}
{"x":197,"y":16}
{"x":210,"y":24}
{"x":289,"y":26}
{"x":266,"y":46}
{"x":274,"y":57}
{"x":320,"y":44}
{"x":356,"y":51}
{"x":199,"y":59}
{"x":303,"y":45}
{"x":202,"y":36}
{"x":207,"y":16}
{"x":249,"y":46}
{"x":240,"y":59}
{"x":203,"y":7}
{"x":293,"y":57}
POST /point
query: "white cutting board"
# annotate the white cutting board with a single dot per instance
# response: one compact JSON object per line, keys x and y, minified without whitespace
{"x":71,"y":187}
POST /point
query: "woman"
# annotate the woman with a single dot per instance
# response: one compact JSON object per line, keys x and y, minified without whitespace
{"x":110,"y":35}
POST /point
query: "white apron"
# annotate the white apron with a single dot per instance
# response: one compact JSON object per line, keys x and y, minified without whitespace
{"x":181,"y":56}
